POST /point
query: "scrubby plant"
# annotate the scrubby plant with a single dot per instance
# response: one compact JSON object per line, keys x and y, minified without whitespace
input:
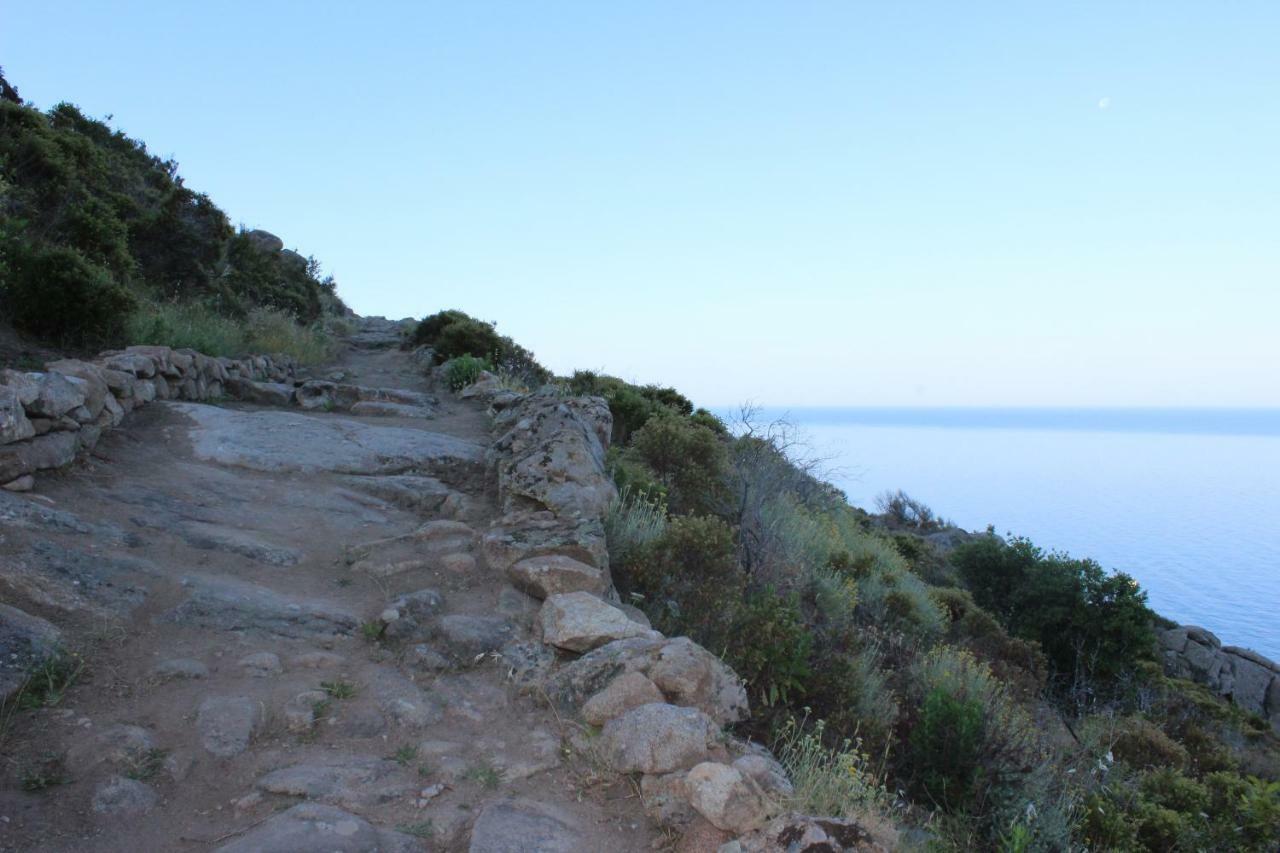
{"x":769,"y":646}
{"x":57,"y":293}
{"x":842,"y":781}
{"x":631,"y":523}
{"x":463,"y":370}
{"x":452,"y":333}
{"x":1091,"y":625}
{"x":689,"y":460}
{"x":902,"y":510}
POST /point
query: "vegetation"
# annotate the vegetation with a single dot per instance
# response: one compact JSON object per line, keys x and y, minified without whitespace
{"x":453,"y":334}
{"x":101,"y":240}
{"x":983,"y":684}
{"x":461,"y":371}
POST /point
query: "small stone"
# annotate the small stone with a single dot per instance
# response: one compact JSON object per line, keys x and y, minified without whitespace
{"x":25,"y":483}
{"x":318,"y":660}
{"x":180,"y":668}
{"x":627,"y":691}
{"x":459,"y":564}
{"x":121,"y":796}
{"x":227,"y":723}
{"x":262,"y":664}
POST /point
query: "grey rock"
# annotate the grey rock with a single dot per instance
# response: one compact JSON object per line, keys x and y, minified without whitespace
{"x":408,"y":491}
{"x":658,"y":738}
{"x":25,"y":483}
{"x":24,"y":640}
{"x":580,"y":621}
{"x":554,"y":574}
{"x":121,"y":796}
{"x":262,"y":664}
{"x":523,"y":824}
{"x":14,"y":425}
{"x":317,"y":827}
{"x":729,"y":800}
{"x":352,"y":782}
{"x":180,"y":668}
{"x":229,"y":605}
{"x":464,"y":637}
{"x":55,"y":395}
{"x":264,"y":241}
{"x":519,"y":535}
{"x":54,"y":450}
{"x":381,"y":409}
{"x":226,"y":724}
{"x":262,"y":393}
{"x":552,"y":455}
{"x":272,"y":440}
{"x":211,"y":537}
{"x":629,"y":690}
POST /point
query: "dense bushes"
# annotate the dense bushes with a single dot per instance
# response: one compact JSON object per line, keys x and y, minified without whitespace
{"x":453,"y":334}
{"x":55,"y":292}
{"x":262,"y":330}
{"x":1091,"y":625}
{"x":92,"y":226}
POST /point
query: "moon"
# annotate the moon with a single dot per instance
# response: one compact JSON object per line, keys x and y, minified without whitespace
{"x":1105,"y":103}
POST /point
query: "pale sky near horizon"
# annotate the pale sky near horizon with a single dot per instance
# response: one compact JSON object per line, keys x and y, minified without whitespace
{"x":792,"y":203}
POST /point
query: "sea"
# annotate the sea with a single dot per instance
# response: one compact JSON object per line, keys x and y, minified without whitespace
{"x":1187,"y":501}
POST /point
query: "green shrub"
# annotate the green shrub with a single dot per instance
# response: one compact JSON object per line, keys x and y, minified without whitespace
{"x":946,"y":745}
{"x":768,"y":645}
{"x":454,"y":333}
{"x":58,"y":294}
{"x":689,"y":460}
{"x":1090,"y":624}
{"x":690,"y":579}
{"x":633,"y":405}
{"x":1141,"y":744}
{"x":631,"y":524}
{"x":461,"y":371}
{"x":971,"y":746}
{"x":841,"y":781}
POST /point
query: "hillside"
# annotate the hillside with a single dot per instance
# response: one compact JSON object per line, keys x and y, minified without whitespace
{"x":101,"y":243}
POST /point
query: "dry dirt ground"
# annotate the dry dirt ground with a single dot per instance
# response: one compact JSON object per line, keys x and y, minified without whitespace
{"x":211,"y":567}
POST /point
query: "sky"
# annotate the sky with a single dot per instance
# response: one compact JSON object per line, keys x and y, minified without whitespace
{"x":790,"y":203}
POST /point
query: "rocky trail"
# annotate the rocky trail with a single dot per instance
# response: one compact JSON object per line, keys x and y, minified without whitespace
{"x":313,"y":618}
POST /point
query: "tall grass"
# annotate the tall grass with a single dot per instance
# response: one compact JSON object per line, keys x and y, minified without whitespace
{"x":194,"y":326}
{"x":838,"y":781}
{"x":631,"y":523}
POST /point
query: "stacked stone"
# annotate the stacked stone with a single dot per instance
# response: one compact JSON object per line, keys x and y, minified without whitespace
{"x":662,"y":703}
{"x":47,"y":417}
{"x":1242,"y":676}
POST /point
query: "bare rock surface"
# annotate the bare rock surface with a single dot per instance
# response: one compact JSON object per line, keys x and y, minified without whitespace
{"x":252,"y":687}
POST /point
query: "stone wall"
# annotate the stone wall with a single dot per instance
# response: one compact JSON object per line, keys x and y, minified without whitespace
{"x":661,"y":704}
{"x":1243,"y":677}
{"x":48,"y":417}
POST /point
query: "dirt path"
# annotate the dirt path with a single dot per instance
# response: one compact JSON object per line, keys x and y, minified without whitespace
{"x":249,"y":588}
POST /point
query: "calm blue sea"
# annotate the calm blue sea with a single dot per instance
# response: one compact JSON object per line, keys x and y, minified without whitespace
{"x":1186,"y":501}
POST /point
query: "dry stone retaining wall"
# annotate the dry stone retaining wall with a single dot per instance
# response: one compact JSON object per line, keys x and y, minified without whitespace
{"x":661,"y":702}
{"x":47,"y":417}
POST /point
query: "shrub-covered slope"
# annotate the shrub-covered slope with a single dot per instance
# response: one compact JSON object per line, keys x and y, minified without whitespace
{"x":984,"y":693}
{"x":100,"y":239}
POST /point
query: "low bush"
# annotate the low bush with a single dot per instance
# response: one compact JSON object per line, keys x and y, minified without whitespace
{"x":768,"y":645}
{"x":1143,"y":745}
{"x":452,"y":334}
{"x":970,"y":744}
{"x":1091,"y":625}
{"x":633,"y":405}
{"x":841,"y":781}
{"x":461,"y":371}
{"x":631,"y":524}
{"x":194,"y":326}
{"x":58,"y":294}
{"x":687,"y":459}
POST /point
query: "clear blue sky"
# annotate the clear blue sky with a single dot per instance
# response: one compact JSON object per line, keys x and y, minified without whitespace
{"x":793,"y":203}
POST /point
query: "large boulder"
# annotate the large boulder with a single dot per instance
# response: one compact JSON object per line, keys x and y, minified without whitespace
{"x":56,"y":395}
{"x":264,"y":241}
{"x":580,"y":621}
{"x":658,"y":738}
{"x":555,"y":574}
{"x":552,"y":456}
{"x":54,"y":450}
{"x":686,"y":673}
{"x":14,"y":424}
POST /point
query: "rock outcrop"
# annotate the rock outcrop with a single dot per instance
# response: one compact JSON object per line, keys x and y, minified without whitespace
{"x":1242,"y":676}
